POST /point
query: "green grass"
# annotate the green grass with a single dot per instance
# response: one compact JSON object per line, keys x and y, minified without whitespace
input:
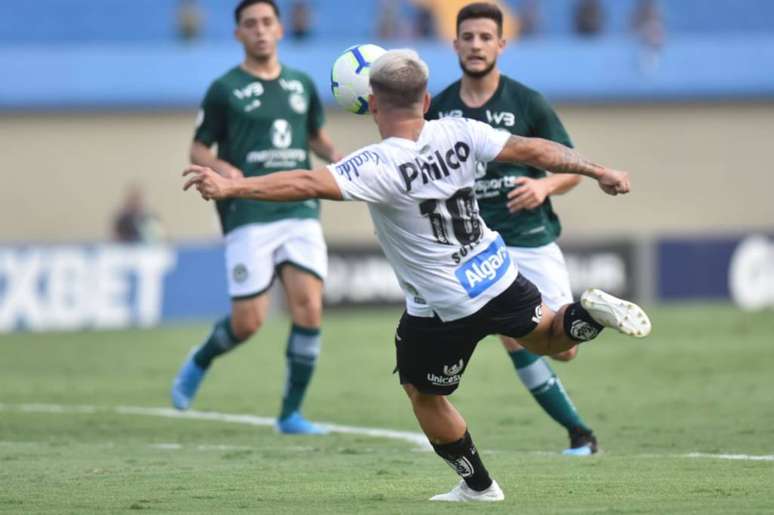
{"x":701,"y":383}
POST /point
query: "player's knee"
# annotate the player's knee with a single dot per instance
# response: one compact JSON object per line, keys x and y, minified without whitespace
{"x":307,"y":309}
{"x":567,"y":355}
{"x":246,"y":325}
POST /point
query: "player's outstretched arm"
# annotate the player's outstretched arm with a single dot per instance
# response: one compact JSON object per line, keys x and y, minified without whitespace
{"x":279,"y":186}
{"x":203,"y":155}
{"x":323,"y":147}
{"x":557,"y":158}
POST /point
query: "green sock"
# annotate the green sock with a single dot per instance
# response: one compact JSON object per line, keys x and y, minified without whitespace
{"x":541,"y":381}
{"x":220,"y":341}
{"x":302,"y":351}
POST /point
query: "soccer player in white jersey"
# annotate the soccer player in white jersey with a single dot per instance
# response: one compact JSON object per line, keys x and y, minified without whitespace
{"x":460,"y":282}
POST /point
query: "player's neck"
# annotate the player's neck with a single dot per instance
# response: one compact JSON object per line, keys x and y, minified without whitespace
{"x":476,"y":91}
{"x":404,"y":127}
{"x":265,"y":69}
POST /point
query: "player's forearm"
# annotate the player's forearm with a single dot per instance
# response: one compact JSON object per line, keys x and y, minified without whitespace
{"x":323,"y":147}
{"x":204,"y":156}
{"x":551,"y":156}
{"x":279,"y":186}
{"x":559,"y":184}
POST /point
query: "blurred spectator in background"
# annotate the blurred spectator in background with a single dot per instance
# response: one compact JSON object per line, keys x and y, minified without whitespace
{"x":529,"y":16}
{"x":424,"y":23}
{"x":588,"y":18}
{"x":443,"y":16}
{"x":133,"y":223}
{"x":189,"y":20}
{"x":300,"y":20}
{"x":648,"y":25}
{"x":389,"y":25}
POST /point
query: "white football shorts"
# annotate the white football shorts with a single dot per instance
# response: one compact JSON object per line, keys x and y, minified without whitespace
{"x":545,"y":268}
{"x":255,"y":252}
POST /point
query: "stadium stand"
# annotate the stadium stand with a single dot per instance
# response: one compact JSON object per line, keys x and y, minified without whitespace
{"x":112,"y":54}
{"x":149,"y":21}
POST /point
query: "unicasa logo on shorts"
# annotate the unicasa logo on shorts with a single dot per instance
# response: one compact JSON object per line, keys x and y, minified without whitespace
{"x":484,"y":269}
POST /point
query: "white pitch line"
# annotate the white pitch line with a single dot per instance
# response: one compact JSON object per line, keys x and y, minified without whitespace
{"x":744,"y":457}
{"x":166,"y":446}
{"x":417,"y":439}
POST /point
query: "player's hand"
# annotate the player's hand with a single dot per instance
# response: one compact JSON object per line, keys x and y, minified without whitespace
{"x":231,"y":172}
{"x":529,"y":194}
{"x":210,"y":184}
{"x":614,"y":182}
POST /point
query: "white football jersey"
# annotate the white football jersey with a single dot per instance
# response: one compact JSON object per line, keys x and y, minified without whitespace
{"x":422,"y":201}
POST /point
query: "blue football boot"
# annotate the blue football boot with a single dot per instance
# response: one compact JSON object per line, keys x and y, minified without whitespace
{"x":187,"y":383}
{"x":296,"y":424}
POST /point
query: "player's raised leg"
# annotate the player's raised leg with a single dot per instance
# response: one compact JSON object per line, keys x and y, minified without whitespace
{"x":247,"y":316}
{"x":583,"y":321}
{"x":304,"y":296}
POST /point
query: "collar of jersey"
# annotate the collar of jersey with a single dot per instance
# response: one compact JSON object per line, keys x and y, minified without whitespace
{"x":405,"y":141}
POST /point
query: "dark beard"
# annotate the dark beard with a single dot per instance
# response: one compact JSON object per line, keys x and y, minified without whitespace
{"x":479,"y":74}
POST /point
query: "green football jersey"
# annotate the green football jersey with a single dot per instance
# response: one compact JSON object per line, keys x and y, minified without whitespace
{"x":261,"y":126}
{"x":522,"y":111}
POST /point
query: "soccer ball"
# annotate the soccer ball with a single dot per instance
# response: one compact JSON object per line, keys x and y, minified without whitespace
{"x":349,"y":77}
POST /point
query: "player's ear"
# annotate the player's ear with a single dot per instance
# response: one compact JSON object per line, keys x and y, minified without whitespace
{"x":372,"y":107}
{"x":426,"y":103}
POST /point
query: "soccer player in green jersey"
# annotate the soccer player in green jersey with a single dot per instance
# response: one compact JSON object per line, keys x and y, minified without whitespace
{"x":263,"y":117}
{"x":515,"y":199}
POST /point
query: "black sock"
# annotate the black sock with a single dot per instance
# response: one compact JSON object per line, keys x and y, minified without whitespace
{"x":463,"y":457}
{"x":579,"y":325}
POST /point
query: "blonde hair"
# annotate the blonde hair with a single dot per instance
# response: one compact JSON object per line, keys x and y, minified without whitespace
{"x":399,"y":78}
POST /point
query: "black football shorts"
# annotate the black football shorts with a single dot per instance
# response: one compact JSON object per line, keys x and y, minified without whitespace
{"x":432,"y":354}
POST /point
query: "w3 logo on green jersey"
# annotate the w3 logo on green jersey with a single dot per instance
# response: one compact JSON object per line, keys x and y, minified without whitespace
{"x":254,"y":89}
{"x":505,"y":118}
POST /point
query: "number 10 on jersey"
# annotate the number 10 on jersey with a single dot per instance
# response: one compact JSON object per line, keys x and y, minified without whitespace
{"x":459,"y":212}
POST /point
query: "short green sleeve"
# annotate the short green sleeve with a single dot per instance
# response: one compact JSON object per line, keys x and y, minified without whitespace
{"x":316,"y":118}
{"x":545,"y":122}
{"x":211,"y":120}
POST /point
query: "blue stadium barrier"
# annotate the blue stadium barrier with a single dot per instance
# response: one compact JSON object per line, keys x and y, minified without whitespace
{"x":113,"y":286}
{"x":69,"y":287}
{"x":176,"y":76}
{"x":738,"y":267}
{"x":694,"y":268}
{"x":109,"y":286}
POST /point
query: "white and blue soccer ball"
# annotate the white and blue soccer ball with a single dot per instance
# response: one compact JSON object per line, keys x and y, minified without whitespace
{"x":349,"y":77}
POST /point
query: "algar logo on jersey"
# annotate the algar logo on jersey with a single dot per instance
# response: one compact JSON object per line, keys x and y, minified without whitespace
{"x":484,"y":269}
{"x":436,"y":165}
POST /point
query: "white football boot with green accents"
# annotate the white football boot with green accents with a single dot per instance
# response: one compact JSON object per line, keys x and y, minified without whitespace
{"x":623,"y":316}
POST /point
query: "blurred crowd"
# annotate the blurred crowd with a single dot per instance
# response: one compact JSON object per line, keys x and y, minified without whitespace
{"x":428,"y":19}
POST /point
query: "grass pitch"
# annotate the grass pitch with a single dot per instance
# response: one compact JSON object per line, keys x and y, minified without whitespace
{"x":702,"y":383}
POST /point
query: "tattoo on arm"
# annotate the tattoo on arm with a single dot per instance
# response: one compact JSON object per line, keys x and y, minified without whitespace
{"x":569,"y":161}
{"x":551,"y":156}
